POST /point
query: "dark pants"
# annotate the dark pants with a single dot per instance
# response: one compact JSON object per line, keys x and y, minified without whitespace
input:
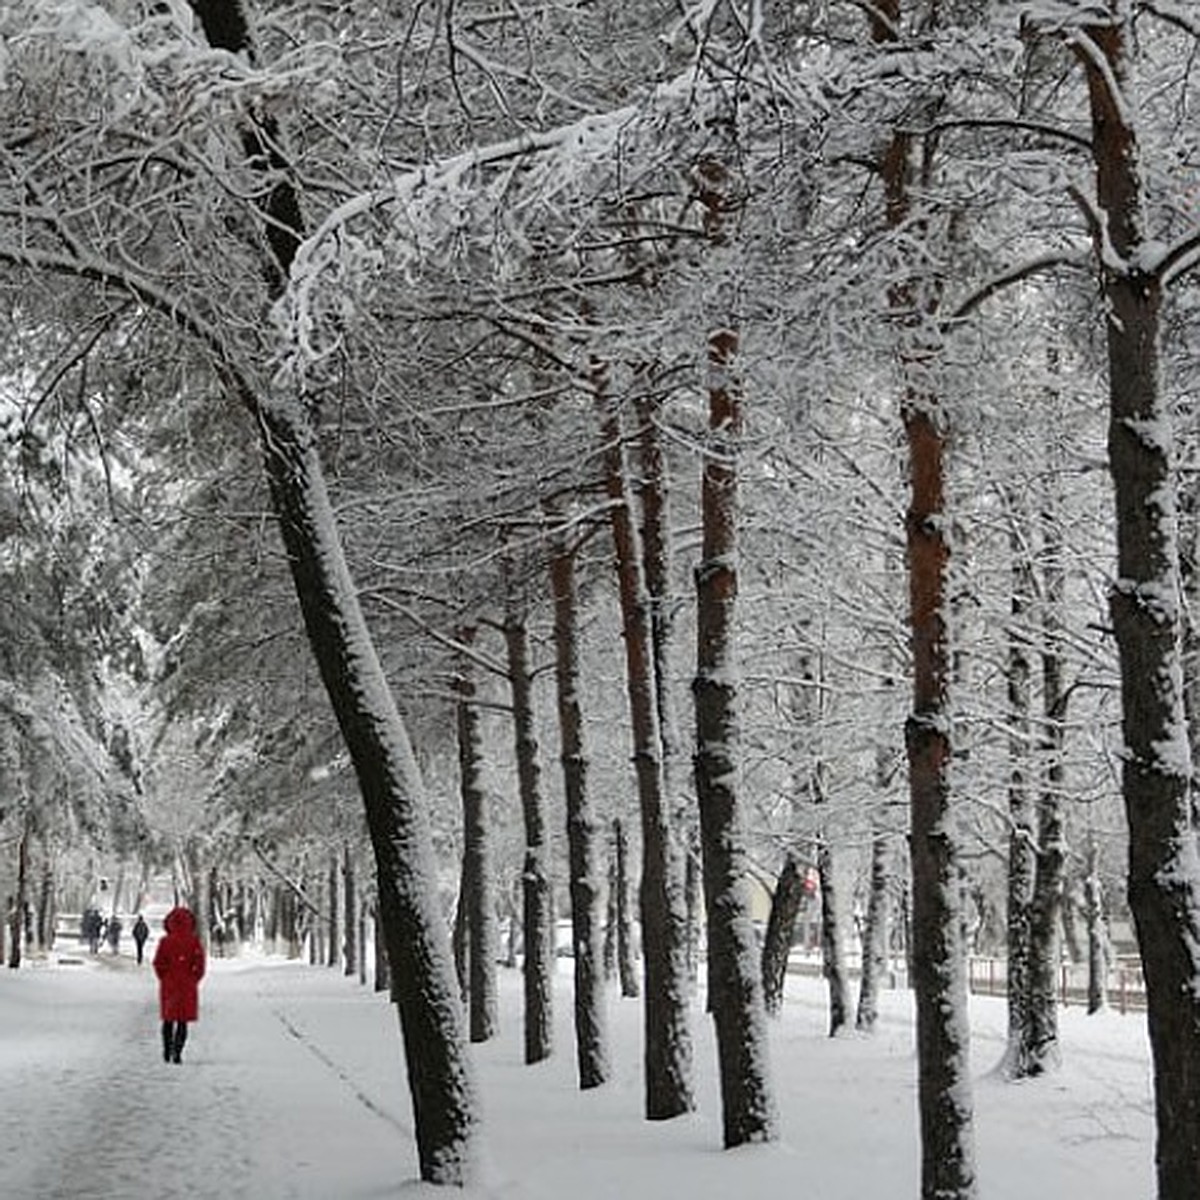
{"x":141,"y":946}
{"x":174,"y":1035}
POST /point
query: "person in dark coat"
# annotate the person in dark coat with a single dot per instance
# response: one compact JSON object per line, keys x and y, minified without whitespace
{"x":140,"y":931}
{"x":113,"y":933}
{"x":179,"y":965}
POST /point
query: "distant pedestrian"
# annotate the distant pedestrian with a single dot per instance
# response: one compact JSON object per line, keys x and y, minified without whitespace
{"x":141,"y":931}
{"x":179,"y":965}
{"x":114,"y":933}
{"x":90,"y":927}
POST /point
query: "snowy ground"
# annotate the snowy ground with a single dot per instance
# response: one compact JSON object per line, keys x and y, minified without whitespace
{"x":292,"y":1087}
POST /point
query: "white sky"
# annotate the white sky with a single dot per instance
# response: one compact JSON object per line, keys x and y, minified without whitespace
{"x":292,"y":1087}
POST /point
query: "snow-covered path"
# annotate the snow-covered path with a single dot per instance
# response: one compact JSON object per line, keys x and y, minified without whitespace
{"x":292,"y":1088}
{"x":255,"y":1110}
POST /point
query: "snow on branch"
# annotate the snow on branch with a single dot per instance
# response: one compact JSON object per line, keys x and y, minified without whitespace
{"x":489,"y":197}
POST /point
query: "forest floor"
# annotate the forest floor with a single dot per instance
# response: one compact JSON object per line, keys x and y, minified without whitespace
{"x":292,"y":1086}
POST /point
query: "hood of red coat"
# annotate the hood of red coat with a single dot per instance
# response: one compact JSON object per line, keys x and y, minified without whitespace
{"x":180,"y":920}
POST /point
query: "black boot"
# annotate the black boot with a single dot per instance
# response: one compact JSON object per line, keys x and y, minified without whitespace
{"x":167,"y":1040}
{"x":180,"y":1038}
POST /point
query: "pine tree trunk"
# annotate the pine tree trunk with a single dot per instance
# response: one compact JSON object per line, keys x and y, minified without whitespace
{"x":1042,"y":1050}
{"x":734,"y":986}
{"x":626,"y":958}
{"x":667,"y":1033}
{"x":16,"y":914}
{"x":875,"y":935}
{"x":1164,"y":874}
{"x":786,"y":902}
{"x":422,"y":974}
{"x":333,"y":927}
{"x":583,"y":850}
{"x":944,"y":1096}
{"x":1097,"y":942}
{"x":536,"y":917}
{"x":478,"y":900}
{"x":833,"y":956}
{"x":350,"y":911}
{"x":1022,"y":838}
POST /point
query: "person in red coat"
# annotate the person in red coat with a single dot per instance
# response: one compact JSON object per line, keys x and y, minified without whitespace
{"x":179,"y":965}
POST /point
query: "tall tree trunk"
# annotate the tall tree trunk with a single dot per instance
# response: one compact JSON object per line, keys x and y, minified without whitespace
{"x":667,"y":1033}
{"x":944,"y":1096}
{"x":1043,"y":1051}
{"x":332,"y":957}
{"x":786,"y":902}
{"x":1164,"y":874}
{"x":1022,"y":838}
{"x":583,"y":850}
{"x":16,"y":913}
{"x":875,"y":934}
{"x":833,"y":953}
{"x":734,"y":987}
{"x":478,"y":877}
{"x":350,"y":911}
{"x":422,"y":973}
{"x":623,"y":913}
{"x":536,"y":917}
{"x":1097,"y":942}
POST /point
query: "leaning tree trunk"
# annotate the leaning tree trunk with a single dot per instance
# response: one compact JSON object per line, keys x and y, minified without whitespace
{"x":667,"y":1032}
{"x":583,"y":850}
{"x":536,"y":916}
{"x":786,"y":902}
{"x":734,"y":988}
{"x":422,"y":973}
{"x":478,"y":901}
{"x":1164,"y":874}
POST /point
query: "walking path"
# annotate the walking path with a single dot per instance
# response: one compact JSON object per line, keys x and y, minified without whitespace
{"x":256,"y":1110}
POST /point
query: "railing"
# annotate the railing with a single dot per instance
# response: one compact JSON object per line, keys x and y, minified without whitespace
{"x":1126,"y":988}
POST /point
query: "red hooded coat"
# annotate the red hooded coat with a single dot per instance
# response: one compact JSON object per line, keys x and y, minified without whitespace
{"x":179,"y":965}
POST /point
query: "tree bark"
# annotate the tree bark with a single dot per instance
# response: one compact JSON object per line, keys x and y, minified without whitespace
{"x":734,"y":987}
{"x":536,"y":917}
{"x":1097,"y":941}
{"x":350,"y":911}
{"x":422,"y":974}
{"x":833,"y":956}
{"x":333,"y":957}
{"x":667,"y":1033}
{"x":1022,"y":838}
{"x":944,"y":1096}
{"x":583,"y":850}
{"x":1164,"y":874}
{"x":478,"y":900}
{"x":622,"y":913}
{"x":875,"y":935}
{"x":786,"y":902}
